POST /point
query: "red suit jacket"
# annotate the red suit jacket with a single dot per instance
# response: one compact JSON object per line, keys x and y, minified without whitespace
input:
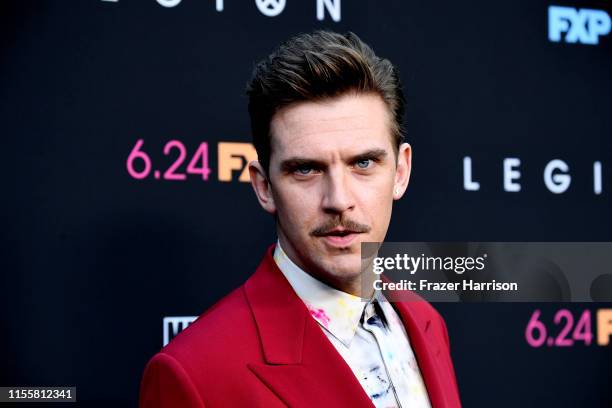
{"x":259,"y":347}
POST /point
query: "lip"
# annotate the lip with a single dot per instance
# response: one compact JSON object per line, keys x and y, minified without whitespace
{"x":338,"y":241}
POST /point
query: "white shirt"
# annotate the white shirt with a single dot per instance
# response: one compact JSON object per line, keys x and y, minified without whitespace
{"x":369,"y":336}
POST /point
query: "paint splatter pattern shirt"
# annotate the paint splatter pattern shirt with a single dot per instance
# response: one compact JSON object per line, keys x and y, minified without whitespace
{"x":369,"y":335}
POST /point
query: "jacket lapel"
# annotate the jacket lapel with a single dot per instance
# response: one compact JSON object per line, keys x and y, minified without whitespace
{"x":300,"y":366}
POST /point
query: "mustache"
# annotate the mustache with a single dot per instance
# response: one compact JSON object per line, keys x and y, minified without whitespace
{"x":346,"y":224}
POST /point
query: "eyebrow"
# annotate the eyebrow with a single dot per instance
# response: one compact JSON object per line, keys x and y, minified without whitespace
{"x":293,"y":163}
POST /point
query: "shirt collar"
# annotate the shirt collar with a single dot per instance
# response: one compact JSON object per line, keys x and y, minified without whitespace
{"x":336,"y":311}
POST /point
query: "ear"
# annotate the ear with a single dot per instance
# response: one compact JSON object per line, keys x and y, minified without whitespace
{"x":402,"y":170}
{"x":261,"y":186}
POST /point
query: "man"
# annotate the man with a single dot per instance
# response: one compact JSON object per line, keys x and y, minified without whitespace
{"x":326,"y":117}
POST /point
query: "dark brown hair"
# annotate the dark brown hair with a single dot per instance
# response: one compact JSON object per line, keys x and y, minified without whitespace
{"x":315,"y":66}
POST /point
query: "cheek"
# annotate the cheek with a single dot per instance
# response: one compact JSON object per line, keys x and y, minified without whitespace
{"x":382,"y":211}
{"x":377,"y":205}
{"x":297,"y":209}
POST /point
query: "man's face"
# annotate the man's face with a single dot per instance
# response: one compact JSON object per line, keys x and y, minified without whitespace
{"x":333,"y":176}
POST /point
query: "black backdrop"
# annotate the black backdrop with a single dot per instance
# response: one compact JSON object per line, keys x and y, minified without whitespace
{"x":93,"y":259}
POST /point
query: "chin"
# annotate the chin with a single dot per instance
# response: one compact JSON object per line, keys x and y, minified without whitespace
{"x":345,"y":268}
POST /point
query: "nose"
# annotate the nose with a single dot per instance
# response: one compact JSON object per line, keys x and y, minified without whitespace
{"x":337,"y":195}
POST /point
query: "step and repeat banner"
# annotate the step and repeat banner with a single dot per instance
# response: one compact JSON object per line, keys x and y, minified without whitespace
{"x":126,"y":209}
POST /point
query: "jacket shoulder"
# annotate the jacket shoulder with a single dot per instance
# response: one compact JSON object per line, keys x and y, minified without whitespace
{"x":227,"y":329}
{"x":203,"y":363}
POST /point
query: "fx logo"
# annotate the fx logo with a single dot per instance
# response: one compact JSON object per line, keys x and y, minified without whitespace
{"x":604,"y":325}
{"x":173,"y":325}
{"x":580,"y":25}
{"x":235,"y":157}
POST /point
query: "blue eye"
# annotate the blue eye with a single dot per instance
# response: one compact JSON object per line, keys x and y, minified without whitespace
{"x":304,"y":171}
{"x":364,"y":163}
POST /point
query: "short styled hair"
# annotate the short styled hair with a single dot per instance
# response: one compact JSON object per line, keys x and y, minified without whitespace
{"x":317,"y":66}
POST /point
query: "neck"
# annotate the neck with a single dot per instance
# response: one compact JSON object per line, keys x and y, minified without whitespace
{"x":352,"y":285}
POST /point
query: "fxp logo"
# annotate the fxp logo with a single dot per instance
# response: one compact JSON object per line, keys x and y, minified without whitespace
{"x":583,"y":26}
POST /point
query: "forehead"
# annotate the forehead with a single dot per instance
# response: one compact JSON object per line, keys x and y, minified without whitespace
{"x":345,"y":124}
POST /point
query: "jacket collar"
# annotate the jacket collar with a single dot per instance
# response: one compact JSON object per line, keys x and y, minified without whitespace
{"x":279,"y":314}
